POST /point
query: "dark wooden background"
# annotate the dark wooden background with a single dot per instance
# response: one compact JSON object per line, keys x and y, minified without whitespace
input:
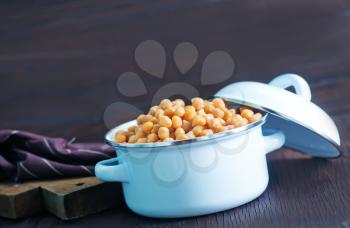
{"x":59,"y":61}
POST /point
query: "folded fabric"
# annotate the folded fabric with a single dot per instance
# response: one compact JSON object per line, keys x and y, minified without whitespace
{"x":28,"y":156}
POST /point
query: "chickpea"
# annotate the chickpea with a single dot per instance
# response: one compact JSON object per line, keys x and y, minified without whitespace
{"x":201,"y":112}
{"x":147,"y":127}
{"x":166,"y":103}
{"x":222,"y":121}
{"x":207,"y":132}
{"x":159,"y":113}
{"x":179,"y":131}
{"x":209,"y":116}
{"x":181,"y":136}
{"x":227,"y":115}
{"x":186,"y":125}
{"x":176,"y":122}
{"x":190,"y":112}
{"x":152,"y":138}
{"x":215,"y":123}
{"x":153,"y":110}
{"x":233,"y":111}
{"x":130,"y":134}
{"x":255,"y":117}
{"x":197,"y":130}
{"x":165,"y":121}
{"x":220,"y":129}
{"x":154,"y":120}
{"x":131,"y":129}
{"x":190,"y":135}
{"x":179,"y":102}
{"x":148,"y":118}
{"x":241,"y":108}
{"x":236,"y":120}
{"x":199,"y":121}
{"x":247,"y":113}
{"x":219,"y":103}
{"x":155,"y":128}
{"x":140,"y":135}
{"x":163,"y":133}
{"x":139,"y":119}
{"x":180,"y":111}
{"x":208,"y":107}
{"x":141,"y":140}
{"x":245,"y":121}
{"x":217,"y":112}
{"x":170,"y":111}
{"x":132,"y":139}
{"x":138,"y":128}
{"x":120,"y":138}
{"x":197,"y":103}
{"x":139,"y":132}
{"x":242,"y":122}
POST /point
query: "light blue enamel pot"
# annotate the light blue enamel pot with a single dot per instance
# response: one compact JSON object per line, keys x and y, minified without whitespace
{"x":210,"y":174}
{"x":192,"y":177}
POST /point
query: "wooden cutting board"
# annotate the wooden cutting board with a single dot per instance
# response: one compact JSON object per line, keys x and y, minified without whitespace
{"x":66,"y":198}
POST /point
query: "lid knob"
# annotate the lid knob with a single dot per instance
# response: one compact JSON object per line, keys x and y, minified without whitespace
{"x":301,"y":87}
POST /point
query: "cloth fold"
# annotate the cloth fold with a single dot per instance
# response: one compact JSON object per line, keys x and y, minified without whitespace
{"x":28,"y":156}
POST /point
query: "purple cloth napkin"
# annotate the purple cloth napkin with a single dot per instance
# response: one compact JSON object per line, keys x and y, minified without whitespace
{"x":28,"y":156}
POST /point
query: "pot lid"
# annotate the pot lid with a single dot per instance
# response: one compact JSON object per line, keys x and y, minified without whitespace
{"x":307,"y":127}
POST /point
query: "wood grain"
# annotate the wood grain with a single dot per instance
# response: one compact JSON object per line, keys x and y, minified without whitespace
{"x":17,"y":201}
{"x":66,"y":198}
{"x":59,"y":62}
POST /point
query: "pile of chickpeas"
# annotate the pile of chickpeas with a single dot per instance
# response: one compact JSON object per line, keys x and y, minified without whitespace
{"x":173,"y":120}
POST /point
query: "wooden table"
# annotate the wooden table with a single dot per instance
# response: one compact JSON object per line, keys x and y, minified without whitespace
{"x":59,"y":61}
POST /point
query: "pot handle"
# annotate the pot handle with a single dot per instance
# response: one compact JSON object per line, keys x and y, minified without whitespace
{"x":301,"y":87}
{"x":274,"y":141}
{"x":111,"y":170}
